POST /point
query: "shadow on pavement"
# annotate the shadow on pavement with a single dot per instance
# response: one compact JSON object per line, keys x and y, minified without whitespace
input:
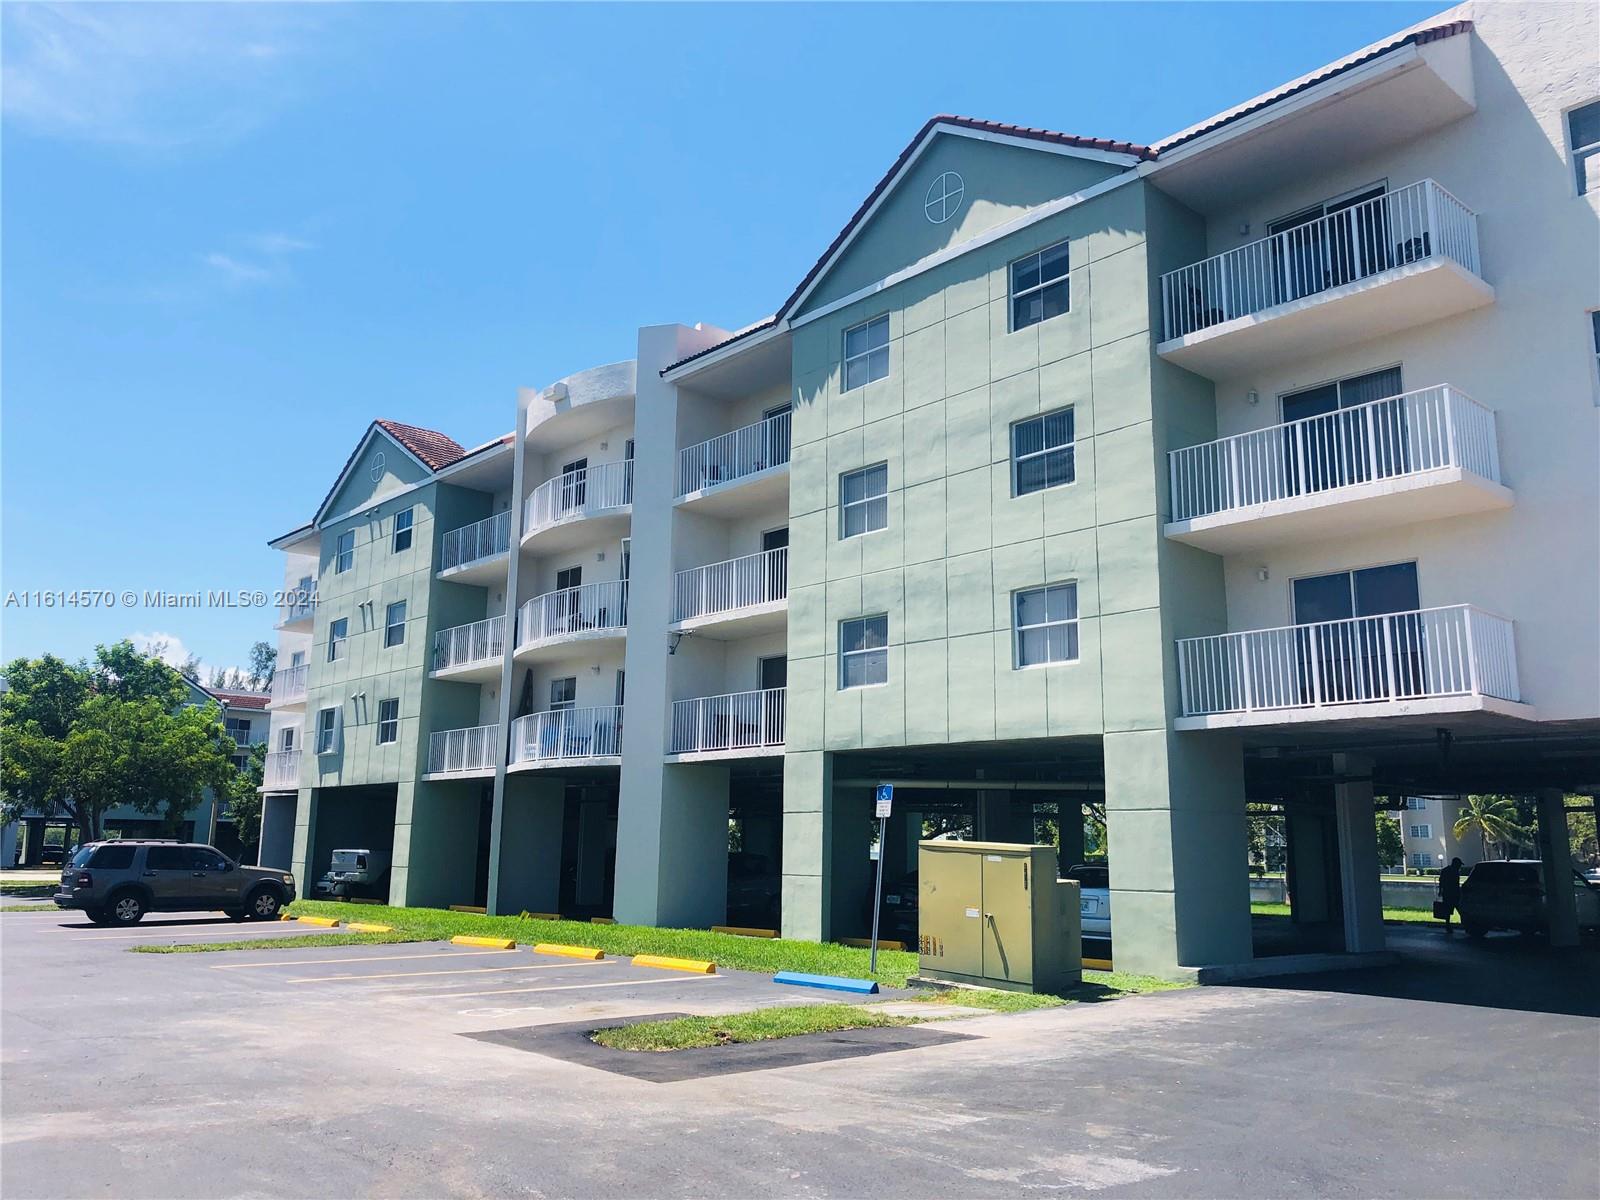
{"x":1503,"y":970}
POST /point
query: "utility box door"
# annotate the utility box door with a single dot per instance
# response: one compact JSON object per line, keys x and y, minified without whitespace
{"x":1007,"y":917}
{"x":950,"y":904}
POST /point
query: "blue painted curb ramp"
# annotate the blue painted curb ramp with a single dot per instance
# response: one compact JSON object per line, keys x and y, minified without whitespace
{"x":833,"y":983}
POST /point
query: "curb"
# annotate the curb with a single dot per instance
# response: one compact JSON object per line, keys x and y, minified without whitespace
{"x":832,"y":983}
{"x":325,"y":922}
{"x":492,"y":943}
{"x":584,"y":952}
{"x":367,"y":927}
{"x":695,"y":966}
{"x":744,"y":931}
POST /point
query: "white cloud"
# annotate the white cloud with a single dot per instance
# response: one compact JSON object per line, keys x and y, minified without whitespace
{"x":236,"y":271}
{"x":170,"y":649}
{"x":154,"y":76}
{"x":268,"y":263}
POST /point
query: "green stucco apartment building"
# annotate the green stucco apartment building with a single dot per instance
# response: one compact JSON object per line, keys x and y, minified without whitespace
{"x":1077,"y":478}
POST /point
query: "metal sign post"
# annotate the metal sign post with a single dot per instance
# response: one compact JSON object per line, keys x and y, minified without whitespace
{"x":885,"y":799}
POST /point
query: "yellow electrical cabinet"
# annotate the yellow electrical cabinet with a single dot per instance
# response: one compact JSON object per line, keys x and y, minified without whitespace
{"x":994,"y":913}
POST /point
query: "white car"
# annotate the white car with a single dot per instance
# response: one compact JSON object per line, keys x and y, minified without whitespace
{"x":1094,"y":897}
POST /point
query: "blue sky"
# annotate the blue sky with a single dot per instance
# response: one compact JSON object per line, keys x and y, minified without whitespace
{"x":234,"y":235}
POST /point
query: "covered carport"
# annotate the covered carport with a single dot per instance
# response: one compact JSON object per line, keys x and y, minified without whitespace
{"x":1329,"y":780}
{"x":1024,"y":791}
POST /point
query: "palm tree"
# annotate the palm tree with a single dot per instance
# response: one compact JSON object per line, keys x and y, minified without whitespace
{"x":1493,"y":819}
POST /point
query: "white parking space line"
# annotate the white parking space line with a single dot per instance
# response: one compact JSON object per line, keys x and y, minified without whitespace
{"x":233,"y":934}
{"x":464,"y":971}
{"x":354,"y":958}
{"x":577,"y":987}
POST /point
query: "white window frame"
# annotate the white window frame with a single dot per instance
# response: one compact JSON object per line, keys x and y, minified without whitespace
{"x":1018,"y":459}
{"x":409,"y":516}
{"x":1068,"y":623}
{"x":344,"y":551}
{"x":874,"y":651}
{"x":1421,"y":832}
{"x":1581,"y":154}
{"x":286,"y":737}
{"x":564,"y":705}
{"x":390,"y":638}
{"x":338,"y":643}
{"x":1422,"y":859}
{"x":848,"y":506}
{"x":844,"y":372}
{"x":327,"y":739}
{"x":388,"y":721}
{"x":1064,"y":279}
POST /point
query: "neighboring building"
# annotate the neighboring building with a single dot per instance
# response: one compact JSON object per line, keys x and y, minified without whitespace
{"x":22,"y":842}
{"x":1426,"y":831}
{"x":1231,"y":467}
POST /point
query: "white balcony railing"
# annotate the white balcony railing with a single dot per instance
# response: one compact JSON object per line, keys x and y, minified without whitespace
{"x":452,"y":750}
{"x":590,"y":492}
{"x":567,"y":733}
{"x":1411,"y":224}
{"x":465,"y":645}
{"x":282,"y":770}
{"x":289,"y":684}
{"x":476,"y":542}
{"x":572,"y":611}
{"x":245,"y":738}
{"x":738,"y":721}
{"x":1436,"y":652}
{"x":1383,"y":439}
{"x":759,"y":578}
{"x":734,"y":455}
{"x":301,"y":607}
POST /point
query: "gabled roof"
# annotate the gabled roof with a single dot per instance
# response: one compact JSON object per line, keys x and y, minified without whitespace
{"x":1416,"y":37}
{"x":434,"y":449}
{"x":235,"y":699}
{"x":944,"y":122}
{"x":413,"y":439}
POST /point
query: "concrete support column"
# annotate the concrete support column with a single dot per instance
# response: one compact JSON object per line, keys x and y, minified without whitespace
{"x":1358,"y":858}
{"x":675,"y":870}
{"x":277,"y":830}
{"x":8,"y":844}
{"x":997,"y":821}
{"x":528,"y":870}
{"x":305,"y":837}
{"x":1175,"y":823}
{"x":1070,"y":823}
{"x":435,"y":843}
{"x":1555,"y":850}
{"x":807,"y":844}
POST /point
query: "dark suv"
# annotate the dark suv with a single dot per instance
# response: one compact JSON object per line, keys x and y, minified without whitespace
{"x":116,"y":883}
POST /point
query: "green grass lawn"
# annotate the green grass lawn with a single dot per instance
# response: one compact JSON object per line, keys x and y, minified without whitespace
{"x":762,"y":955}
{"x":689,"y":1033}
{"x":44,"y":890}
{"x":28,"y":908}
{"x":766,"y":955}
{"x":1408,"y":915}
{"x":289,"y":943}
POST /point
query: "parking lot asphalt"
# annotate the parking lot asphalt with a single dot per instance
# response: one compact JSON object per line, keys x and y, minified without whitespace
{"x":363,"y":1071}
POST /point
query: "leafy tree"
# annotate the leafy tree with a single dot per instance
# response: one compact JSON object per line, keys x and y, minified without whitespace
{"x":1581,"y":833}
{"x":243,"y":795}
{"x":86,"y":737}
{"x":263,"y":665}
{"x":1391,"y":848}
{"x":1494,"y":819}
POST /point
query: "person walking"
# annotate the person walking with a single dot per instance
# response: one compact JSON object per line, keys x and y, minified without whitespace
{"x":1449,"y":893}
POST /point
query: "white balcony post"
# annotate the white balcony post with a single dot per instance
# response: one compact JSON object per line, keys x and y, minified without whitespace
{"x":1472,"y":650}
{"x":1431,"y":199}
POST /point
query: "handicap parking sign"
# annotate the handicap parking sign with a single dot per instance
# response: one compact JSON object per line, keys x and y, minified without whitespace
{"x":885,"y":799}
